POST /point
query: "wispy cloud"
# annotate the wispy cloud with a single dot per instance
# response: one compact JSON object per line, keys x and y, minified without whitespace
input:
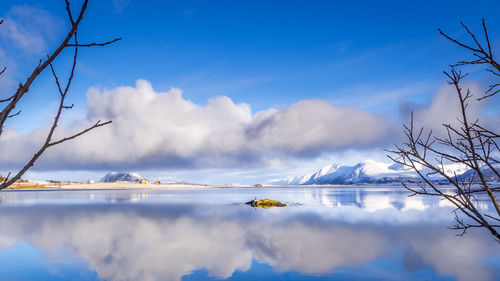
{"x":29,"y":28}
{"x":373,"y":97}
{"x":6,"y":81}
{"x":120,"y":5}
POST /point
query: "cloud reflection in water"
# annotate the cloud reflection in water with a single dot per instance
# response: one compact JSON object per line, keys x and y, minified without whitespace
{"x":167,"y":242}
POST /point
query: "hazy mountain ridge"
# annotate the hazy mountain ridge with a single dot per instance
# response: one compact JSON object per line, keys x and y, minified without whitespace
{"x":488,"y":174}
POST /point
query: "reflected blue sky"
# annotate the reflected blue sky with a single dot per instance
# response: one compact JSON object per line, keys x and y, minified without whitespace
{"x":325,"y":234}
{"x":24,"y":262}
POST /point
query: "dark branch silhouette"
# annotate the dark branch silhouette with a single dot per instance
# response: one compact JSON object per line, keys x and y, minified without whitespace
{"x":482,"y":54}
{"x":12,"y":101}
{"x":15,"y":114}
{"x":95,"y":44}
{"x":469,"y":144}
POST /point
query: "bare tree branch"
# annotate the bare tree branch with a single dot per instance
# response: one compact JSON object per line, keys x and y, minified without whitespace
{"x":469,"y":144}
{"x":63,"y":91}
{"x":7,"y":99}
{"x":96,"y":125}
{"x":95,"y":44}
{"x":37,"y":155}
{"x":24,"y":88}
{"x":15,"y":114}
{"x":484,"y":55}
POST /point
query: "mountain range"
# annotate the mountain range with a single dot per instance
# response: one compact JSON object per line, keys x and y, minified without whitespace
{"x":371,"y":171}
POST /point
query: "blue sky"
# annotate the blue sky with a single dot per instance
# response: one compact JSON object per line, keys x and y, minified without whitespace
{"x":365,"y":55}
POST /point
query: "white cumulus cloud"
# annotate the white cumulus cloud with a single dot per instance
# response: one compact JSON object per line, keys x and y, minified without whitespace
{"x":164,"y":129}
{"x":444,"y":108}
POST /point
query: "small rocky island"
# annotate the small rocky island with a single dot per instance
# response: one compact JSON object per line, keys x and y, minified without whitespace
{"x":265,"y":203}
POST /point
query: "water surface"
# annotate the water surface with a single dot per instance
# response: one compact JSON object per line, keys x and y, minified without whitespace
{"x":338,"y":233}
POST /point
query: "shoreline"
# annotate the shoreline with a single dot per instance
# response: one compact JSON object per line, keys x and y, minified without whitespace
{"x":37,"y":186}
{"x":46,"y":186}
{"x":51,"y":186}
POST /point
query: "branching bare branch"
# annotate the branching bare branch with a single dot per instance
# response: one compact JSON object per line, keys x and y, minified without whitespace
{"x":63,"y":90}
{"x":469,"y":144}
{"x":483,"y":55}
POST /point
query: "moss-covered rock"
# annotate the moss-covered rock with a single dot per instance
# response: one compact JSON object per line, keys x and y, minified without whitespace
{"x":265,"y":203}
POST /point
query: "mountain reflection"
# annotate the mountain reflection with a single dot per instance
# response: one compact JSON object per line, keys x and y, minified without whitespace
{"x":169,"y":241}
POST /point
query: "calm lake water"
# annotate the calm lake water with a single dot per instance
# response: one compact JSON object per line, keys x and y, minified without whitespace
{"x":345,"y":233}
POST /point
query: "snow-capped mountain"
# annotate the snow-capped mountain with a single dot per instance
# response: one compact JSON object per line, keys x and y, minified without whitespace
{"x":488,"y":174}
{"x":114,"y":176}
{"x":368,"y":171}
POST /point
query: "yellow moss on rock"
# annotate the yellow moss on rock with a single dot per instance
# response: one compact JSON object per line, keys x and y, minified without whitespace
{"x":266,"y":203}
